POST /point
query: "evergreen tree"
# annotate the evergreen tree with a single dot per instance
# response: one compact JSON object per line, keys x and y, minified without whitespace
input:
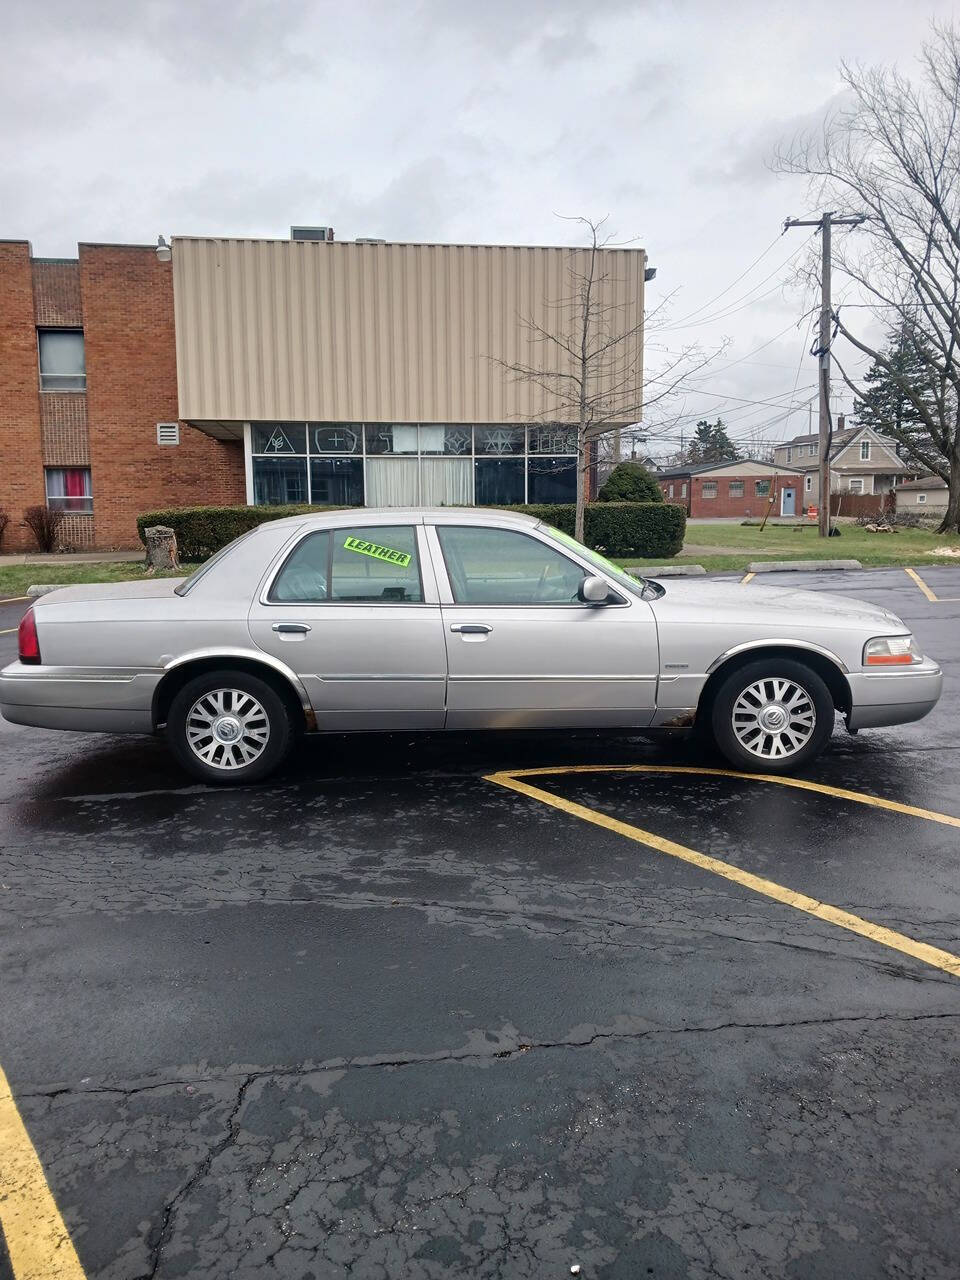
{"x":886,"y":404}
{"x":711,"y":444}
{"x":630,"y":482}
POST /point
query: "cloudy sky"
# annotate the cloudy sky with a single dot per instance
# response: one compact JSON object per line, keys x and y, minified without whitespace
{"x":452,"y":120}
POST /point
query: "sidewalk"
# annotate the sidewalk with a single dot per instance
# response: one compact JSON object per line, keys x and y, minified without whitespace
{"x":74,"y":557}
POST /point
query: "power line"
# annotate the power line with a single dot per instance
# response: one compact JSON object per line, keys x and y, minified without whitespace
{"x":733,"y":283}
{"x":739,"y":304}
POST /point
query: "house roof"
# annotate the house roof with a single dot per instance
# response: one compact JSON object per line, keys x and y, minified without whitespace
{"x":840,"y":438}
{"x":672,"y":472}
{"x":925,"y":482}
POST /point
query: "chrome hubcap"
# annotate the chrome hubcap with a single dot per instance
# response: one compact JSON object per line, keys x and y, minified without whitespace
{"x":227,"y":728}
{"x":774,"y":718}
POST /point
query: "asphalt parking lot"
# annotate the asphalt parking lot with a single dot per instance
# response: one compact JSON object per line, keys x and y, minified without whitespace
{"x":386,"y":1017}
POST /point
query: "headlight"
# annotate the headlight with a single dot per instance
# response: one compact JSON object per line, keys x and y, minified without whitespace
{"x":891,"y":651}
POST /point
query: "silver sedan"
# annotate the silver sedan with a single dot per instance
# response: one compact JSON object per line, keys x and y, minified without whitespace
{"x":358,"y":621}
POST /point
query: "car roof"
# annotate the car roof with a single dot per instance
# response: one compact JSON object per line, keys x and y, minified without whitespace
{"x":407,"y":515}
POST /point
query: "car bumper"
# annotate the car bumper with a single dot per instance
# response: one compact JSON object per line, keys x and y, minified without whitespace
{"x":97,"y":701}
{"x":893,"y":697}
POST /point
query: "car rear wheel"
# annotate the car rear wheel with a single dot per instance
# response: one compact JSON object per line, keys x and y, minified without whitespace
{"x":772,"y":716}
{"x":228,"y":727}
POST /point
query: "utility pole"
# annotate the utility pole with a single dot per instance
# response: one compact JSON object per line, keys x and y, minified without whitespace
{"x":825,"y":222}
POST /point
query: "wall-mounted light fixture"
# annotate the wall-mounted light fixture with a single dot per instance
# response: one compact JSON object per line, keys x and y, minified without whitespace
{"x":164,"y":252}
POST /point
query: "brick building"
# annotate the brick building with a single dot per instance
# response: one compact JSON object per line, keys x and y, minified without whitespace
{"x":273,"y":371}
{"x":87,"y":372}
{"x":742,"y":488}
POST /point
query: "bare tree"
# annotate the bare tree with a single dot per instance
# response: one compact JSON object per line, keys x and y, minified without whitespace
{"x":589,"y":365}
{"x":893,"y":154}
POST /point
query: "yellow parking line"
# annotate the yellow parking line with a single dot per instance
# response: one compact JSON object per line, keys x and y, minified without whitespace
{"x":933,"y":956}
{"x":15,"y":599}
{"x":746,"y":578}
{"x":9,"y":631}
{"x":859,"y":797}
{"x":37,"y":1241}
{"x":912,"y":573}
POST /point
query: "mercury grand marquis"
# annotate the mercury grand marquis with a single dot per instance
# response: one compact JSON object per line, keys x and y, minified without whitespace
{"x":454,"y":619}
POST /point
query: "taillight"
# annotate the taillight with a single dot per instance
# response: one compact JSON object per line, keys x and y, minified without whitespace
{"x":27,"y":638}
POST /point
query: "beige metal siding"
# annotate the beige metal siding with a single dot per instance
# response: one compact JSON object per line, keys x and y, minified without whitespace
{"x":284,"y":330}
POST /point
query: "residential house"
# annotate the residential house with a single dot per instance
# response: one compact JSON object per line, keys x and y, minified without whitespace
{"x":862,"y":461}
{"x":928,"y":493}
{"x":745,"y":487}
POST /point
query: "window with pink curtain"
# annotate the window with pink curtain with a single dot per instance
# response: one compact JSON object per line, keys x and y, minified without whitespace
{"x":69,"y":489}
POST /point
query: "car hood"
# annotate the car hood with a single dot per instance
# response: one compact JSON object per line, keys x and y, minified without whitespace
{"x":761,"y":603}
{"x":141,"y":589}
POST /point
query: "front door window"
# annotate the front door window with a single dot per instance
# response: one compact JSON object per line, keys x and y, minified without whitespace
{"x":499,"y":566}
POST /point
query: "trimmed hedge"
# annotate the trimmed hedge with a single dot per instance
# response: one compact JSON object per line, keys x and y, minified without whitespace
{"x":630,"y":482}
{"x":643,"y":529}
{"x":203,"y":530}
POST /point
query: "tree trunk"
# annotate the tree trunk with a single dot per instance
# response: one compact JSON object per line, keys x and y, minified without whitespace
{"x":951,"y":518}
{"x":161,"y":548}
{"x":583,"y":455}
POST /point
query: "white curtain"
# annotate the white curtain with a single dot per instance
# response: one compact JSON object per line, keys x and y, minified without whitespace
{"x":446,"y":482}
{"x":443,"y":482}
{"x":392,"y":482}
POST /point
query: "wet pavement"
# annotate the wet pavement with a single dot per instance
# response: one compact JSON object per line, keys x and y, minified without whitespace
{"x":383,"y":1018}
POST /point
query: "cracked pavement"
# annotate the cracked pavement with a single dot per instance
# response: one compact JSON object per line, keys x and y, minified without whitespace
{"x":381,"y":1018}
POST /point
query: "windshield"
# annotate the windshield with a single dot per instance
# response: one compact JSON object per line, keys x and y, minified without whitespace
{"x":633,"y":585}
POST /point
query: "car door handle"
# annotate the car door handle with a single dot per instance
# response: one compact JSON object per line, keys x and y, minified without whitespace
{"x":471,"y":628}
{"x":291,"y":628}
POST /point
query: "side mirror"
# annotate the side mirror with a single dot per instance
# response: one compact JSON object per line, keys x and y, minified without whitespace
{"x":593,"y":590}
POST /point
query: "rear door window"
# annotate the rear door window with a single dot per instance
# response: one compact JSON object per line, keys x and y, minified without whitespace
{"x":358,"y":565}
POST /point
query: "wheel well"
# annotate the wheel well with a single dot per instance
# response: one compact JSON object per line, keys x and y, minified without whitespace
{"x":828,"y":671}
{"x":173,"y":682}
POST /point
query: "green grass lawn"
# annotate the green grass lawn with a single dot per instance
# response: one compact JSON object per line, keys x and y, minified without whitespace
{"x":15,"y":578}
{"x":737,"y":545}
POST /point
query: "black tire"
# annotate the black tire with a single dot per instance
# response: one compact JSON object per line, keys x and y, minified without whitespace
{"x":801,"y":740}
{"x":264,"y":721}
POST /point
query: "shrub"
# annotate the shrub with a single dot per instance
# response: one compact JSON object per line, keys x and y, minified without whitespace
{"x":4,"y":521}
{"x":644,"y":529}
{"x":648,"y":530}
{"x":630,"y":482}
{"x":44,"y":523}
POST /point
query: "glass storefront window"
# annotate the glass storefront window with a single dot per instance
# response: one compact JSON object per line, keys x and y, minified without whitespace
{"x":335,"y":437}
{"x":552,"y":439}
{"x":456,"y":440}
{"x":277,"y":481}
{"x":278,"y":438}
{"x":500,"y":440}
{"x":499,"y":481}
{"x":385,"y":437}
{"x":552,"y":480}
{"x":408,"y":463}
{"x":336,"y":482}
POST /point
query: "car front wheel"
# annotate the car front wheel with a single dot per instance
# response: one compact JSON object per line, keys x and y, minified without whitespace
{"x":228,"y":727}
{"x":772,"y":716}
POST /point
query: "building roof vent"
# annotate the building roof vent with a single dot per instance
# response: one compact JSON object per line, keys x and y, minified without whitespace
{"x":370,"y":240}
{"x":311,"y":233}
